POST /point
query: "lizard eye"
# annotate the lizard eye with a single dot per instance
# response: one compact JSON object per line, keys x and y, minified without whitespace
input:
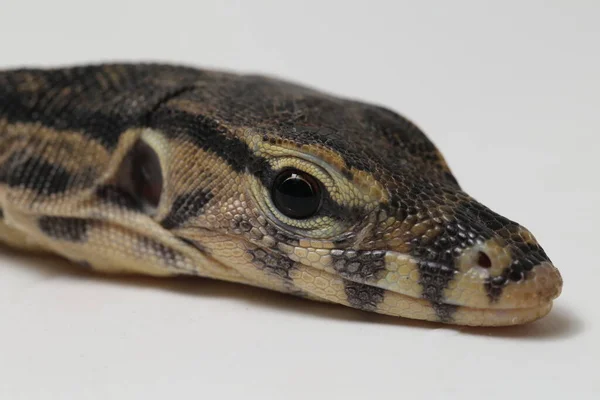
{"x":297,"y":194}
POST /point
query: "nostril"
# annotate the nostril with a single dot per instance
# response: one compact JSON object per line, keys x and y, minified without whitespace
{"x":484,"y":260}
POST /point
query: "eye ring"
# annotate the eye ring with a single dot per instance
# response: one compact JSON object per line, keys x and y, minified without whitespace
{"x":297,"y":194}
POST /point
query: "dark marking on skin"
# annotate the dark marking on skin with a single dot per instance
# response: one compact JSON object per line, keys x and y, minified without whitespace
{"x":518,"y":270}
{"x":99,"y":101}
{"x":1,"y":213}
{"x":358,"y":265}
{"x":400,"y":132}
{"x":437,"y":264}
{"x":25,"y":170}
{"x":434,"y":278}
{"x":347,"y":174}
{"x":495,"y":285}
{"x":362,"y":296}
{"x":272,"y":262}
{"x":185,"y":207}
{"x":366,"y":136}
{"x":488,"y":223}
{"x":479,"y":222}
{"x":345,"y":240}
{"x":65,"y":228}
{"x":450,"y":178}
{"x":165,"y":253}
{"x":208,"y":135}
{"x":444,"y":311}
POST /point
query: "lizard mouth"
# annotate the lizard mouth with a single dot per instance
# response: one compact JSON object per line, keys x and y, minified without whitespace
{"x":462,"y":296}
{"x":499,"y":316}
{"x":515,"y":316}
{"x":402,"y":305}
{"x":399,"y":291}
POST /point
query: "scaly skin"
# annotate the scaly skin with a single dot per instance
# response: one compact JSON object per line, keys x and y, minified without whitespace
{"x":394,"y":234}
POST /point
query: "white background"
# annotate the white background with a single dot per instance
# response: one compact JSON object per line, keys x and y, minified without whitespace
{"x":509,"y":91}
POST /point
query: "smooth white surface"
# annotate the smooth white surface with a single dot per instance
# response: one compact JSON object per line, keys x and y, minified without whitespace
{"x":509,"y":91}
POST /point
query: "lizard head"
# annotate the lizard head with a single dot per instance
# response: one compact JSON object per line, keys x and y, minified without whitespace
{"x":283,"y":187}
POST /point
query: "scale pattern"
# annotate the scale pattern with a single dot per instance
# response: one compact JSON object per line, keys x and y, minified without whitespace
{"x":395,"y":233}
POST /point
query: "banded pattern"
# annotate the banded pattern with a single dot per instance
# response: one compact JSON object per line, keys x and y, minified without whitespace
{"x":394,"y":233}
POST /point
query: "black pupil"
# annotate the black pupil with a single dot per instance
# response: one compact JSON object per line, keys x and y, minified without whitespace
{"x":297,"y":194}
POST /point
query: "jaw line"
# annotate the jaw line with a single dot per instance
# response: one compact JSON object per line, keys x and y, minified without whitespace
{"x":466,"y":315}
{"x":463,"y":315}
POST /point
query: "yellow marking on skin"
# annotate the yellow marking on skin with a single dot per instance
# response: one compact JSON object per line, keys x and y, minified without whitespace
{"x":75,"y":203}
{"x":67,"y":149}
{"x":370,"y":185}
{"x":319,"y":284}
{"x":401,"y":275}
{"x":324,"y":153}
{"x":300,"y":252}
{"x":193,"y":169}
{"x":116,"y":245}
{"x":286,"y":248}
{"x":538,"y":288}
{"x":18,"y":239}
{"x":108,"y":248}
{"x":316,"y":258}
{"x":396,"y":304}
{"x":420,"y":228}
{"x":394,"y":235}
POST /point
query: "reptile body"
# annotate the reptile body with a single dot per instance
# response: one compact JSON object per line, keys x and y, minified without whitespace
{"x":166,"y":170}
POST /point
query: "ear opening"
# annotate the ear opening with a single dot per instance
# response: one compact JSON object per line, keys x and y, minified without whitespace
{"x":140,"y":176}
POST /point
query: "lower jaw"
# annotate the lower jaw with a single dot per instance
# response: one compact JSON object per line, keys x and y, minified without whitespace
{"x":499,"y":317}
